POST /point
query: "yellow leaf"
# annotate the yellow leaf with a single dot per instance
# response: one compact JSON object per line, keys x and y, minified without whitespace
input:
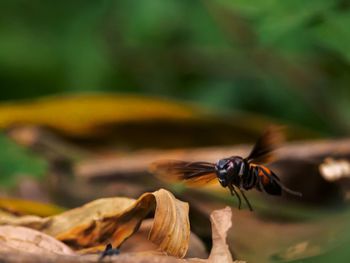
{"x":26,"y":207}
{"x":84,"y":115}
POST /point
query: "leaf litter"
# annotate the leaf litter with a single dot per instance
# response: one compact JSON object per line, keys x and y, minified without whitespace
{"x":87,"y":229}
{"x":220,"y":219}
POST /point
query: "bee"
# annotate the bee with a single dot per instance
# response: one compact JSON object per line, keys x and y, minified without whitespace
{"x":236,"y":173}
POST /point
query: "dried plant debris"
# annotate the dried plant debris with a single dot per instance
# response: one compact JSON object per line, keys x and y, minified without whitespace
{"x":220,"y":223}
{"x":22,"y":239}
{"x":166,"y":221}
{"x":112,"y":220}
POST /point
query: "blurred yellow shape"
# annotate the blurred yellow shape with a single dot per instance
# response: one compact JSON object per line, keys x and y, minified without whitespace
{"x":83,"y":115}
{"x":26,"y":207}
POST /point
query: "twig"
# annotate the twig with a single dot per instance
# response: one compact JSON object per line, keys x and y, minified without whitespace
{"x":137,"y":163}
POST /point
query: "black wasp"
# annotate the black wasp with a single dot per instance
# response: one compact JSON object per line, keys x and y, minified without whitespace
{"x":237,"y":173}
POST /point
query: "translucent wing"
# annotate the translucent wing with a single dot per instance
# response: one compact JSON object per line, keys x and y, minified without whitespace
{"x":192,"y":173}
{"x":262,"y":151}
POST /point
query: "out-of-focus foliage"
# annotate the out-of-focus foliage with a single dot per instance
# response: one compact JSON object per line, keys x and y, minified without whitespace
{"x":16,"y":161}
{"x":28,"y":207}
{"x":87,"y":114}
{"x":288,"y":59}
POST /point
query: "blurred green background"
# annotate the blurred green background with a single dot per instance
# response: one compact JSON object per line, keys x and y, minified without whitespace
{"x":286,"y":59}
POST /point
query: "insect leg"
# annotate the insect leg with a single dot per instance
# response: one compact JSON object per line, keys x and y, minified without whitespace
{"x":246,"y":199}
{"x":109,"y":251}
{"x":233,"y":193}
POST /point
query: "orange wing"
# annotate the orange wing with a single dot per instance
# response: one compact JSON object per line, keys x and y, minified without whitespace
{"x":192,"y":173}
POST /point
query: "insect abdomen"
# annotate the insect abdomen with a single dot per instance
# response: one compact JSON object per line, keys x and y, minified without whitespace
{"x":265,"y":180}
{"x":250,"y":178}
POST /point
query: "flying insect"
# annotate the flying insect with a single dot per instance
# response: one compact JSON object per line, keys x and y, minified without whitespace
{"x":236,"y":173}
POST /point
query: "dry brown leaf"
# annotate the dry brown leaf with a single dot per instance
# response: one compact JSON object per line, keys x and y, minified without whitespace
{"x":17,"y":238}
{"x":113,"y":220}
{"x":221,"y":222}
{"x":139,"y":242}
{"x":35,"y":222}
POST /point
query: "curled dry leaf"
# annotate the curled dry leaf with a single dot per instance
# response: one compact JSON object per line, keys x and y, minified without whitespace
{"x":113,"y":220}
{"x":17,"y":238}
{"x":140,"y":243}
